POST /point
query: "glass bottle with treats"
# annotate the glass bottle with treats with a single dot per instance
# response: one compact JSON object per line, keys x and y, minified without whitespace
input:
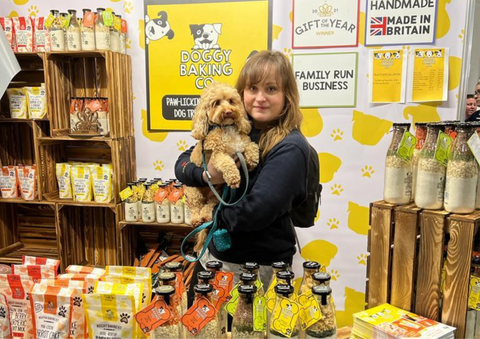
{"x":281,"y":292}
{"x":309,"y":268}
{"x":215,"y":266}
{"x":174,"y":267}
{"x":462,"y":174}
{"x":74,"y":42}
{"x":171,"y":328}
{"x":177,"y":213}
{"x":169,"y":279}
{"x":57,"y":33}
{"x":420,"y":135}
{"x":88,"y":30}
{"x":131,"y":204}
{"x":325,"y":327}
{"x":115,"y":33}
{"x":398,"y":172}
{"x":148,"y":206}
{"x":253,"y":267}
{"x":242,"y":323}
{"x":476,"y":129}
{"x":123,"y":36}
{"x":248,"y":278}
{"x":102,"y":31}
{"x":64,"y":19}
{"x":285,"y":277}
{"x":321,"y":278}
{"x":162,"y":204}
{"x":430,"y":173}
{"x":212,"y":328}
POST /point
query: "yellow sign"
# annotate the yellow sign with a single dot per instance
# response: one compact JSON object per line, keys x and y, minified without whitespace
{"x":191,"y":44}
{"x":388,"y":71}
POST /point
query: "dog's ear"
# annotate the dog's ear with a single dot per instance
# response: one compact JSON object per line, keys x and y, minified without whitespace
{"x":244,"y":125}
{"x":217,"y":28}
{"x":200,"y":121}
{"x":194,"y":28}
{"x":163,"y":15}
{"x":170,"y":35}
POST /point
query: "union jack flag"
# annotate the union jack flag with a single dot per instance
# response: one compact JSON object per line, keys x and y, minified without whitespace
{"x":378,"y":25}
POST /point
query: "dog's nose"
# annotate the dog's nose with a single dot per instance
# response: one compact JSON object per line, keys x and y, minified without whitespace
{"x":205,"y":35}
{"x":228,"y":114}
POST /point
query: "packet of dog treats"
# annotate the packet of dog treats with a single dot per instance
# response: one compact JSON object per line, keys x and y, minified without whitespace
{"x":7,"y":26}
{"x":9,"y":182}
{"x":28,"y":182}
{"x":23,"y":28}
{"x":130,"y":279}
{"x":5,"y":328}
{"x":89,"y":279}
{"x":53,"y":311}
{"x":31,"y":260}
{"x":42,"y":37}
{"x":64,"y":180}
{"x":81,"y":183}
{"x":145,"y":272}
{"x":18,"y":103}
{"x":36,"y":272}
{"x":102,"y":183}
{"x":110,"y":316}
{"x":78,"y":324}
{"x":36,"y":102}
{"x":135,"y":289}
{"x":85,"y":270}
{"x":16,"y":289}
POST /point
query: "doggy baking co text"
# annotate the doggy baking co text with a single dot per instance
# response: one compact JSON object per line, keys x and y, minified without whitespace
{"x":205,"y":64}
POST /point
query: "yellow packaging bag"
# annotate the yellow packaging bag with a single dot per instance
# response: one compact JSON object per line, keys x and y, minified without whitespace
{"x":145,"y":272}
{"x":64,"y":180}
{"x":36,"y":102}
{"x":110,"y":316}
{"x":18,"y":103}
{"x":135,"y":289}
{"x":130,"y":279}
{"x":81,"y":183}
{"x":84,"y":270}
{"x":89,"y":279}
{"x":102,"y":184}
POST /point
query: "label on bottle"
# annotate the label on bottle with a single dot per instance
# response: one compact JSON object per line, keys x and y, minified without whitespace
{"x":309,"y":310}
{"x":154,"y":315}
{"x":231,"y":305}
{"x":127,"y":192}
{"x":474,"y":145}
{"x":88,"y":40}
{"x":57,"y":40}
{"x":73,"y":41}
{"x":199,"y":315}
{"x":406,"y":147}
{"x":285,"y":316}
{"x":270,"y":295}
{"x":259,"y":313}
{"x":102,"y":39}
{"x":444,"y":143}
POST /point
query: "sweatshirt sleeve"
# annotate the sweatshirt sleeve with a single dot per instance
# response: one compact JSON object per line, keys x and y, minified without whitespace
{"x":187,"y":172}
{"x":280,"y":182}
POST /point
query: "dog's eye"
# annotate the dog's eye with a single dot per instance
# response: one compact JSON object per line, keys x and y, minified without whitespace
{"x":216,"y":103}
{"x":160,"y":22}
{"x":231,"y":101}
{"x":199,"y":32}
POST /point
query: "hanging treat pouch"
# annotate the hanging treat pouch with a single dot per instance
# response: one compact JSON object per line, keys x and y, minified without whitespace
{"x":8,"y":182}
{"x":5,"y":328}
{"x":89,"y":279}
{"x":28,"y":186}
{"x":64,"y":180}
{"x":85,"y":270}
{"x":42,"y":37}
{"x":197,"y":318}
{"x":23,"y":27}
{"x":36,"y":272}
{"x":102,"y":184}
{"x":52,"y":307}
{"x":18,"y":103}
{"x":110,"y":316}
{"x":7,"y":26}
{"x":129,"y":279}
{"x":135,"y":289}
{"x":36,"y":102}
{"x":30,"y":260}
{"x":81,"y":183}
{"x":16,"y":289}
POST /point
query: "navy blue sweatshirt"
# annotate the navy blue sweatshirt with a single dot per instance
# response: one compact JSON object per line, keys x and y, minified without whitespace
{"x":259,"y":225}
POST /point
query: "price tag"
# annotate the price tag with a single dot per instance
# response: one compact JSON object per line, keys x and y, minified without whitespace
{"x":259,"y":314}
{"x":127,"y":192}
{"x":474,"y":145}
{"x":107,"y":18}
{"x":199,"y":315}
{"x":49,"y":21}
{"x":407,"y":145}
{"x":270,"y":295}
{"x":152,"y":316}
{"x":285,"y":317}
{"x":444,"y":142}
{"x":309,"y":310}
{"x":231,"y":305}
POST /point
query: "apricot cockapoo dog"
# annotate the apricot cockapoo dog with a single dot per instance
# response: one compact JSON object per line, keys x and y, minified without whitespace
{"x":220,"y":123}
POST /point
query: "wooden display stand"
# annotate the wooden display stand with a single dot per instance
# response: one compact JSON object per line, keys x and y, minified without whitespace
{"x":74,"y":232}
{"x":409,"y":248}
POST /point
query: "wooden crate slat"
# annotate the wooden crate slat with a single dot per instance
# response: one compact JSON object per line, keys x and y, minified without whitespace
{"x":110,"y":238}
{"x":404,"y":257}
{"x":99,"y":231}
{"x":8,"y":225}
{"x":457,"y":277}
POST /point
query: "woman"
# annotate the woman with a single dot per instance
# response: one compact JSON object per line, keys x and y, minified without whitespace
{"x":259,"y":225}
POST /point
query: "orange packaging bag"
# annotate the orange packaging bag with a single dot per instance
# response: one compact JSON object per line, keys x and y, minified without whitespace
{"x":90,"y":279}
{"x":23,"y":27}
{"x":7,"y":26}
{"x":36,"y":272}
{"x":8,"y":182}
{"x":85,"y":270}
{"x":16,"y":289}
{"x":78,"y":324}
{"x":53,"y":311}
{"x":28,"y":182}
{"x":30,"y":260}
{"x":5,"y":328}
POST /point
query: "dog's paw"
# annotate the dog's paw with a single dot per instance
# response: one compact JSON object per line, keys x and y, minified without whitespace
{"x":233,"y":182}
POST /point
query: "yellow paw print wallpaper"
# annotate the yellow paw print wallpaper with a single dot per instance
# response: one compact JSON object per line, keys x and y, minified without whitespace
{"x":351,"y":142}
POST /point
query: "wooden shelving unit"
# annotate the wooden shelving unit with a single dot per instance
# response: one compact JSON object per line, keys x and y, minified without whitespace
{"x":74,"y":232}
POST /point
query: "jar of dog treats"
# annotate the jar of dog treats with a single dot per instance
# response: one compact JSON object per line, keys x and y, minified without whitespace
{"x":283,"y":294}
{"x":321,"y":278}
{"x":242,"y":323}
{"x":88,"y":30}
{"x":57,"y":33}
{"x":123,"y":37}
{"x":148,"y":206}
{"x":115,"y":34}
{"x":73,"y":32}
{"x":177,"y":213}
{"x":162,"y":204}
{"x":326,"y":326}
{"x":171,"y":329}
{"x":102,"y":30}
{"x":131,"y":205}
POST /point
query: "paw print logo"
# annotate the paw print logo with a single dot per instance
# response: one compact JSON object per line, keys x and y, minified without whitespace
{"x":158,"y":165}
{"x":288,"y":53}
{"x":33,"y":10}
{"x":337,"y":134}
{"x":362,"y":259}
{"x":334,"y":274}
{"x":128,"y":7}
{"x":336,"y":189}
{"x":367,"y":171}
{"x":77,"y":301}
{"x":90,"y":290}
{"x":182,"y":145}
{"x":143,"y":298}
{"x":462,"y":35}
{"x":333,"y":223}
{"x":62,"y":312}
{"x":28,"y":297}
{"x":128,"y":43}
{"x":3,"y":313}
{"x":124,"y":317}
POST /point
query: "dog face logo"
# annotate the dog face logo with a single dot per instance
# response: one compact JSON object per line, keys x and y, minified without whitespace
{"x":205,"y":36}
{"x":429,"y":54}
{"x":438,"y":54}
{"x":396,"y":55}
{"x":378,"y":56}
{"x":388,"y":55}
{"x":420,"y":54}
{"x":157,"y":28}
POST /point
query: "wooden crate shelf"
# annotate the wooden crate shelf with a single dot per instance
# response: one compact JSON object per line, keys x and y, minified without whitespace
{"x":409,"y":248}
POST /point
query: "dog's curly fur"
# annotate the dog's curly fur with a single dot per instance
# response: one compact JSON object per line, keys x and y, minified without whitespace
{"x":221,"y":124}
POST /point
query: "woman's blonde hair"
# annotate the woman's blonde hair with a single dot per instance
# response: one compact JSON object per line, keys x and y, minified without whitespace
{"x":253,"y":72}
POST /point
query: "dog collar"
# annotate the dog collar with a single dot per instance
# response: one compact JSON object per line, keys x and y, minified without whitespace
{"x":211,"y":127}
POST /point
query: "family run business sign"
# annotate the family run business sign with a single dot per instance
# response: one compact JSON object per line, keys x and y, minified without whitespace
{"x":395,"y":22}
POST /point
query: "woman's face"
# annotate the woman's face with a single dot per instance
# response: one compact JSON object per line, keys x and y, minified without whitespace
{"x":471,"y":106}
{"x":264,"y":101}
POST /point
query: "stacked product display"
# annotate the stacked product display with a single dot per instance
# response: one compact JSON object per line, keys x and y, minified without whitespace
{"x":58,"y":32}
{"x":18,"y":182}
{"x":440,"y":161}
{"x":27,"y":102}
